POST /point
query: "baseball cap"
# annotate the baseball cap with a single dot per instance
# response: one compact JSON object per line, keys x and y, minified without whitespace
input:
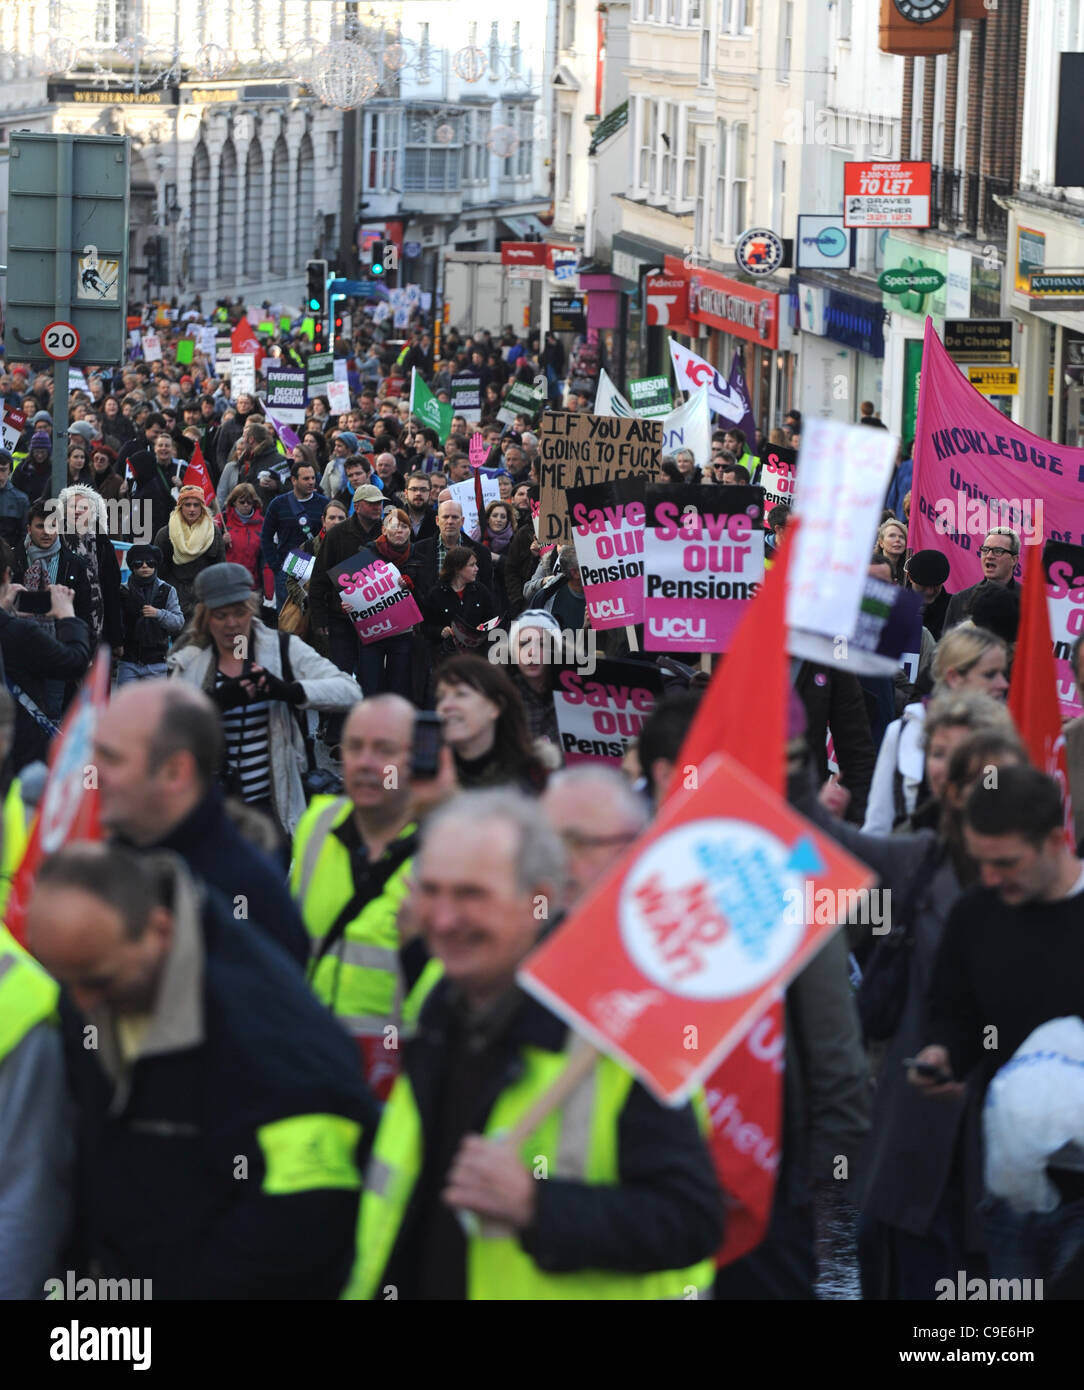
{"x":220,"y":585}
{"x":368,"y":493}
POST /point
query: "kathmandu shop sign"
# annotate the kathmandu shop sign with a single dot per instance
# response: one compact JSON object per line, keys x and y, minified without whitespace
{"x":735,"y":308}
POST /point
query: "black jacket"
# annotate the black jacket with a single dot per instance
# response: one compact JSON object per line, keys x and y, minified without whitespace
{"x":33,"y":483}
{"x":71,"y":572}
{"x":183,"y":575}
{"x":109,"y":579}
{"x":151,"y":488}
{"x":665,"y":1213}
{"x":145,"y":640}
{"x":935,"y":613}
{"x":341,"y":542}
{"x":172,"y":1175}
{"x":443,"y":607}
{"x":425,"y":563}
{"x":961,"y":604}
{"x":216,"y":851}
{"x":32,"y":656}
{"x":834,"y":703}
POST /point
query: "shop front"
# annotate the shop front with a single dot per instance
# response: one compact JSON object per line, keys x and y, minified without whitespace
{"x":841,"y":357}
{"x":728,"y":315}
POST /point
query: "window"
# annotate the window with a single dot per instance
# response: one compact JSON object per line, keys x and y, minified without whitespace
{"x":688,"y":162}
{"x":779,"y":187}
{"x":515,"y":56}
{"x":705,"y":51}
{"x":786,"y":38}
{"x":940,"y":83}
{"x":736,"y":18}
{"x":692,"y":13}
{"x":918,"y":86}
{"x":668,"y":188}
{"x":700,"y":207}
{"x":424,"y":54}
{"x":494,"y":50}
{"x":568,"y":23}
{"x":739,"y":175}
{"x":720,"y":180}
{"x":381,"y":151}
{"x":114,"y":21}
{"x":429,"y":166}
{"x":518,"y":165}
{"x":564,"y":154}
{"x":963,"y":83}
{"x":474,"y":166}
{"x":649,"y":142}
{"x":673,"y":15}
{"x":844,"y":10}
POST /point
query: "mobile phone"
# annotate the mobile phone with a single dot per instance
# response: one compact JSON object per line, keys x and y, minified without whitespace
{"x":37,"y":601}
{"x":428,"y":737}
{"x":927,"y":1069}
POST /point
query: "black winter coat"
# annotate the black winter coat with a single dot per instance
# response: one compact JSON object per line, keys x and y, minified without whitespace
{"x":443,"y":607}
{"x":71,"y":572}
{"x":183,"y":575}
{"x":32,"y":656}
{"x":341,"y":542}
{"x":833,"y":701}
{"x":425,"y":563}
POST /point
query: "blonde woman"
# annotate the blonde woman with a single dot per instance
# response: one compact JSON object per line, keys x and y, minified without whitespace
{"x":967,"y":658}
{"x":892,"y":548}
{"x":190,"y":543}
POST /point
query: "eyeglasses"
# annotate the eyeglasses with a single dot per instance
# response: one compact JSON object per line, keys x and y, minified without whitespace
{"x":578,"y":840}
{"x":993,"y":550}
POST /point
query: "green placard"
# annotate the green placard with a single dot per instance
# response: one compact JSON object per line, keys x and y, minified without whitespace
{"x":650,"y":396}
{"x":284,"y":323}
{"x":320,"y":371}
{"x":308,"y":329}
{"x":912,"y":369}
{"x":186,"y":349}
{"x":266,"y":327}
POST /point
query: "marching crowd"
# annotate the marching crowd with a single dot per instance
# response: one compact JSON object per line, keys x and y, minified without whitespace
{"x":294,"y":953}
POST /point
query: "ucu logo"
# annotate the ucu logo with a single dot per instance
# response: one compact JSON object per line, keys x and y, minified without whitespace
{"x":609,"y":608}
{"x":679,"y":629}
{"x":385,"y":626}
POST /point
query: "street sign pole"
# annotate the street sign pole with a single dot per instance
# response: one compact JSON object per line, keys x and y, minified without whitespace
{"x":62,"y":292}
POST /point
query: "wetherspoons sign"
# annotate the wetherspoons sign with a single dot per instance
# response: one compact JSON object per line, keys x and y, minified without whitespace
{"x":925,"y":281}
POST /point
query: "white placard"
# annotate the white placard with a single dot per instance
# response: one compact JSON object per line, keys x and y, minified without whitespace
{"x":338,"y":397}
{"x":242,"y":374}
{"x":463,"y":493}
{"x":152,"y":348}
{"x":206,"y":341}
{"x":341,"y":369}
{"x":843,"y":472}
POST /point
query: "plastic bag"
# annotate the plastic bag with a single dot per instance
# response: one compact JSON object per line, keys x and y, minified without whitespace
{"x":1034,"y":1108}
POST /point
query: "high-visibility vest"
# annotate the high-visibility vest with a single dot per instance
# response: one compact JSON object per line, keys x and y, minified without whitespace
{"x":28,"y":995}
{"x":579,"y":1140}
{"x":15,"y":840}
{"x":358,"y":977}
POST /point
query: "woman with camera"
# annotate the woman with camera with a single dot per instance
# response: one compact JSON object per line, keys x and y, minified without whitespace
{"x":262,"y":681}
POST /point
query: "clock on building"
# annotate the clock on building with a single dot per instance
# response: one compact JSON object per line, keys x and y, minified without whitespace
{"x":921,"y":11}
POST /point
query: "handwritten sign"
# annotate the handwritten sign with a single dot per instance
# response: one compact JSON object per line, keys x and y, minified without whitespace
{"x":580,"y":450}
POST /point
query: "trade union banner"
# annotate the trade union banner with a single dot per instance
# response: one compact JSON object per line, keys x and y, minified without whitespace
{"x":974,"y":470}
{"x":608,"y":533}
{"x":703,"y":564}
{"x":600,"y":714}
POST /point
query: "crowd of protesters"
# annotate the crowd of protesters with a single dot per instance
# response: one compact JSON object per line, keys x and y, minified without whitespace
{"x":310,"y":884}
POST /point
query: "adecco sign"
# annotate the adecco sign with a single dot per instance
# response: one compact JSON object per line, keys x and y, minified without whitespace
{"x":667,"y":302}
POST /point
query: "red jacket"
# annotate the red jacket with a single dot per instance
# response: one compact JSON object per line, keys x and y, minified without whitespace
{"x":243,"y":546}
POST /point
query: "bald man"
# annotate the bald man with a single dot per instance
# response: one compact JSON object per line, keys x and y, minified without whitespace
{"x":597,"y":815}
{"x":158,"y":750}
{"x":351,"y":863}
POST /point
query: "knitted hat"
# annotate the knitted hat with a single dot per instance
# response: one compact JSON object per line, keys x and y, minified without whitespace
{"x":137,"y":554}
{"x":350,"y":440}
{"x":82,"y":427}
{"x":41,"y":440}
{"x":535,"y":617}
{"x":220,"y":585}
{"x":927,"y":567}
{"x":190,"y":490}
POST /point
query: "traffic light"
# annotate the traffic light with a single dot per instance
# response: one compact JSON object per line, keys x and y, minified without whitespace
{"x":337,"y":323}
{"x":316,"y":290}
{"x":377,"y":258}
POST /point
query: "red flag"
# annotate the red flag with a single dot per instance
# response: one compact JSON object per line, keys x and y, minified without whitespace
{"x":745,"y":1094}
{"x":196,"y":475}
{"x":68,"y":810}
{"x":243,"y":339}
{"x":1033,"y":690}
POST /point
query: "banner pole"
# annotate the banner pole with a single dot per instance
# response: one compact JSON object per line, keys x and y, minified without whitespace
{"x":630,"y":632}
{"x":583,"y":1058}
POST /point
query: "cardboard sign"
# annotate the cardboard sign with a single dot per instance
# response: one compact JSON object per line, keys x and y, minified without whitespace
{"x":580,"y":450}
{"x":844,"y":474}
{"x":464,"y":493}
{"x":286,"y":393}
{"x":703,"y":564}
{"x":338,"y":397}
{"x":466,"y":397}
{"x":777,"y":474}
{"x":242,"y":374}
{"x":600,"y":714}
{"x":1064,"y":568}
{"x":369,"y":590}
{"x":608,"y":533}
{"x":521,"y":400}
{"x":207,"y":341}
{"x":699,"y":927}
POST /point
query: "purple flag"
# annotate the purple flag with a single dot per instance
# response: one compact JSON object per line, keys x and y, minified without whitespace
{"x":748,"y":424}
{"x":284,"y":432}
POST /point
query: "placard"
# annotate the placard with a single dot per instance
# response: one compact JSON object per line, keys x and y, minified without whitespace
{"x":521,"y":400}
{"x":608,"y":533}
{"x":650,"y":396}
{"x":338,"y":397}
{"x":464,"y":493}
{"x":371,"y":595}
{"x":286,"y":393}
{"x":703,"y":564}
{"x":242,"y":374}
{"x":466,"y":397}
{"x":600,"y":714}
{"x":152,"y":348}
{"x":320,"y":370}
{"x":777,"y":474}
{"x":580,"y":450}
{"x":1064,"y":566}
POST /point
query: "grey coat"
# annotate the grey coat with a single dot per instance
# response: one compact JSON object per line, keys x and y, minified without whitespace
{"x":909,"y":1158}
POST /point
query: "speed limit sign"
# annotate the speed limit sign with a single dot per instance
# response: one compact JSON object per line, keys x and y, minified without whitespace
{"x":59,"y":341}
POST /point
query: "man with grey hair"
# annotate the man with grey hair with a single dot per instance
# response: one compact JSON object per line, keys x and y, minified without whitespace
{"x":630,"y":1207}
{"x":558,"y":588}
{"x":999,"y":553}
{"x":597,"y":814}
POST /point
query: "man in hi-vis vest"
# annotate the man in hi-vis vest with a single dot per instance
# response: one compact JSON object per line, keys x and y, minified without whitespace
{"x":610,"y":1196}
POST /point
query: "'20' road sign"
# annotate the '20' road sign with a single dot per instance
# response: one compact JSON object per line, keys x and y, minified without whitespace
{"x":59,"y":341}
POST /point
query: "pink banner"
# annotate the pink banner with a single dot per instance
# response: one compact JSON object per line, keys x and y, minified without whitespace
{"x":1064,"y":565}
{"x":373,"y":597}
{"x":608,"y":533}
{"x":975,"y":469}
{"x":703,"y":563}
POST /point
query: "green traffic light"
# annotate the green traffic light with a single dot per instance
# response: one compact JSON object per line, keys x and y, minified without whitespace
{"x":314,"y":304}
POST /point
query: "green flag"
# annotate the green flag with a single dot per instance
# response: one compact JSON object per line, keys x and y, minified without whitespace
{"x":432,"y":413}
